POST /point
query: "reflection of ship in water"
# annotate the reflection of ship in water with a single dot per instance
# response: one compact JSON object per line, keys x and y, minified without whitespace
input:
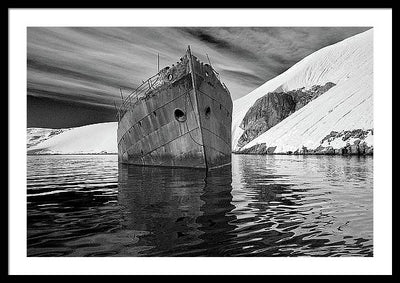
{"x":216,"y":220}
{"x":178,"y":212}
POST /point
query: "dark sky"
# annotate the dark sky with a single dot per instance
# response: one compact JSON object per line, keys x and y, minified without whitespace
{"x":74,"y":73}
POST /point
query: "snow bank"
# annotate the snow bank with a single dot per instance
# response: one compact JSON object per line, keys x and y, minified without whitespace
{"x":90,"y":139}
{"x":346,"y":106}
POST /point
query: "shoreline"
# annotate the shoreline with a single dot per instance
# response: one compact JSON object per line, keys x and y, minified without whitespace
{"x":233,"y":152}
{"x":30,"y":154}
{"x":359,"y":147}
{"x":304,"y":154}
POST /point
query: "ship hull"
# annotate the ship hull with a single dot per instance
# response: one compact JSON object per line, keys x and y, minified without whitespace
{"x":185,"y":123}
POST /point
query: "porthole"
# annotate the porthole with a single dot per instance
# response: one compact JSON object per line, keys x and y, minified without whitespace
{"x":170,"y":77}
{"x":180,"y":116}
{"x":208,"y":112}
{"x":220,"y":106}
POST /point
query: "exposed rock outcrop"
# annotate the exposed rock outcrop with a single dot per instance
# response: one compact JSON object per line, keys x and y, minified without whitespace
{"x":273,"y":107}
{"x":346,"y":135}
{"x":303,"y":97}
{"x":355,"y":142}
{"x":266,"y":112}
{"x":258,"y":149}
{"x":352,"y":142}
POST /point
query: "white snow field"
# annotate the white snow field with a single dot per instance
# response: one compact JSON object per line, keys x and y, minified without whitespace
{"x":90,"y":139}
{"x":346,"y":106}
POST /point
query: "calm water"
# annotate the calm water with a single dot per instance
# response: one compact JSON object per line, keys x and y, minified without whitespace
{"x":261,"y":206}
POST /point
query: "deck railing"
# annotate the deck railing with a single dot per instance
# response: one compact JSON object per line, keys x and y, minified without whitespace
{"x":150,"y":84}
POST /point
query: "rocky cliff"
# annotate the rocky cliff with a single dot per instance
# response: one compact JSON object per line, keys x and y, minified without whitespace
{"x":273,"y":107}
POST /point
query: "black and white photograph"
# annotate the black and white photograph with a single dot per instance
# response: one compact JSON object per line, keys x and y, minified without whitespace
{"x":196,"y":138}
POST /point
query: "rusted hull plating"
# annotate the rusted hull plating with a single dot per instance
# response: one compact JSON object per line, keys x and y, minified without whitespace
{"x":185,"y":122}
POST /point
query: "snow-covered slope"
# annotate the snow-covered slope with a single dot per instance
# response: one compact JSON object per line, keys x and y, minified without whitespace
{"x":90,"y":139}
{"x":345,"y":107}
{"x":38,"y":135}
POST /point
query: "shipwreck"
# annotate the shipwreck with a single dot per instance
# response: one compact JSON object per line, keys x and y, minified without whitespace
{"x":180,"y":117}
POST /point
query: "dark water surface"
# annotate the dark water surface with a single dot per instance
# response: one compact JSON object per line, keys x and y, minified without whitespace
{"x":261,"y":206}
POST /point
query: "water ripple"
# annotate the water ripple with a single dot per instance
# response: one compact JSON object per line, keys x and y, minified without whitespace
{"x":261,"y":206}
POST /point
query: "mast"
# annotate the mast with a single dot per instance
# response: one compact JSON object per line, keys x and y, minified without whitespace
{"x":158,"y":62}
{"x":209,"y":62}
{"x":191,"y":68}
